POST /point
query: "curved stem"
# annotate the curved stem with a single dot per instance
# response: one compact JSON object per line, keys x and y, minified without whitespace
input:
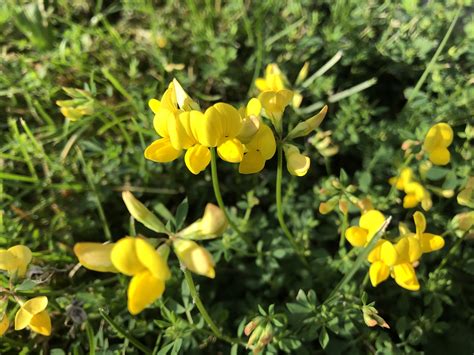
{"x":203,"y":311}
{"x":281,"y":219}
{"x":220,"y":201}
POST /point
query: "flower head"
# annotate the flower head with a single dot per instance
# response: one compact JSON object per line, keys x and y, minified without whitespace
{"x":369,"y":224}
{"x":15,"y":260}
{"x":436,"y":143}
{"x":33,"y":314}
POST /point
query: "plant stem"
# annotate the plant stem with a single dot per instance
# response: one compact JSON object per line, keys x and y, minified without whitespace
{"x":203,"y":311}
{"x":343,"y":230}
{"x":220,"y":201}
{"x":281,"y":219}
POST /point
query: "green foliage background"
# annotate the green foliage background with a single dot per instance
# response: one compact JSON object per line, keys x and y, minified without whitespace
{"x":60,"y":181}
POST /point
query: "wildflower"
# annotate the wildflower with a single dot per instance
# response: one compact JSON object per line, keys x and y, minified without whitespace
{"x":15,"y":260}
{"x":212,"y":224}
{"x":194,"y":257}
{"x":428,"y":242}
{"x":33,"y":314}
{"x":372,"y":318}
{"x":274,"y":103}
{"x":261,"y":148}
{"x":4,"y":324}
{"x":403,"y":179}
{"x":273,"y":80}
{"x":382,"y":258}
{"x":250,"y":120}
{"x":436,"y":142}
{"x":178,"y":122}
{"x":369,"y":224}
{"x":130,"y":256}
{"x":296,"y":163}
{"x":222,"y":124}
{"x":415,"y":192}
{"x":81,"y":104}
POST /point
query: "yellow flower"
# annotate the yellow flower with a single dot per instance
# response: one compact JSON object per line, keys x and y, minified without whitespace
{"x":134,"y":257}
{"x":273,"y":80}
{"x":274,"y":103}
{"x":212,"y":224}
{"x":33,"y":314}
{"x":401,"y":181}
{"x":261,"y":148}
{"x":141,"y":213}
{"x":194,"y":257}
{"x":179,"y":124}
{"x":416,"y":193}
{"x":221,"y":126}
{"x":369,"y":224}
{"x":405,"y":276}
{"x":428,"y":242}
{"x":250,"y":120}
{"x":296,"y":163}
{"x":382,"y":258}
{"x":437,"y":140}
{"x":4,"y":324}
{"x":15,"y":260}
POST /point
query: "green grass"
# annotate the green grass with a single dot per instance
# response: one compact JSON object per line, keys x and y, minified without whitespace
{"x":388,"y":71}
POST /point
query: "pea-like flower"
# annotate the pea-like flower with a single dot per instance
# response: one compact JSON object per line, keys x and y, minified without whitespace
{"x":273,"y":79}
{"x":33,"y":314}
{"x":130,"y":256}
{"x":212,"y":224}
{"x":369,"y":224}
{"x":250,"y":120}
{"x":261,"y":148}
{"x":15,"y":260}
{"x":436,"y":143}
{"x":428,"y":242}
{"x":194,"y":257}
{"x":296,"y":163}
{"x":415,"y":192}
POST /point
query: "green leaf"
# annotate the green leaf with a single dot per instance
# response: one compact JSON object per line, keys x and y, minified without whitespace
{"x":323,"y":338}
{"x":181,"y":213}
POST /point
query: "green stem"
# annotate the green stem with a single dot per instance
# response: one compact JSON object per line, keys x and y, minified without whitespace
{"x":450,"y":253}
{"x":220,"y":201}
{"x":203,"y":311}
{"x":281,"y":219}
{"x":343,"y":230}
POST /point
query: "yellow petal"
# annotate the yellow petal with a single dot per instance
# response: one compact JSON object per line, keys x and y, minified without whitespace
{"x":356,"y":236}
{"x":296,"y":163}
{"x":152,"y":260}
{"x":405,"y":276}
{"x":182,"y":98}
{"x":251,"y":163}
{"x":374,"y":254}
{"x":161,"y":151}
{"x":154,"y":105}
{"x":143,"y":290}
{"x":430,"y":242}
{"x":230,"y":118}
{"x":197,"y":158}
{"x":95,"y":256}
{"x":372,"y":221}
{"x":41,"y":323}
{"x":160,"y":121}
{"x":440,"y":156}
{"x":306,"y":127}
{"x":179,"y":137}
{"x":275,"y":102}
{"x":22,"y":319}
{"x":408,"y":249}
{"x":214,"y":221}
{"x":124,"y":257}
{"x":8,"y":261}
{"x":261,"y":84}
{"x":194,"y":257}
{"x":410,"y":201}
{"x":4,"y":324}
{"x":264,"y":142}
{"x":231,"y":150}
{"x":35,"y":305}
{"x":388,"y":253}
{"x":254,"y":107}
{"x":420,"y":222}
{"x":378,"y":272}
{"x":23,"y":255}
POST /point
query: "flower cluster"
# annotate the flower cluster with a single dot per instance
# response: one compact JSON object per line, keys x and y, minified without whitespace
{"x":239,"y":136}
{"x":148,"y":267}
{"x":394,"y":259}
{"x":31,"y":313}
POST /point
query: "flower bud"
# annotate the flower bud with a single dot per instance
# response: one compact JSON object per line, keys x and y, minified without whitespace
{"x":464,"y":221}
{"x":343,"y":206}
{"x":141,"y":213}
{"x":250,"y":327}
{"x":212,"y":224}
{"x":303,"y":73}
{"x":250,"y":126}
{"x":194,"y":257}
{"x":4,"y":323}
{"x":328,"y":206}
{"x":371,"y":317}
{"x":296,"y":163}
{"x":306,"y":127}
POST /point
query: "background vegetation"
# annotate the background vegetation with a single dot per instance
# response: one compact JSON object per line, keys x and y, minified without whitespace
{"x":60,"y":181}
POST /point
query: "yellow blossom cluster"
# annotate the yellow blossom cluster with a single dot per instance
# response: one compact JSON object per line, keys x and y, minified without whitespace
{"x":399,"y":259}
{"x":238,"y":135}
{"x":31,"y":313}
